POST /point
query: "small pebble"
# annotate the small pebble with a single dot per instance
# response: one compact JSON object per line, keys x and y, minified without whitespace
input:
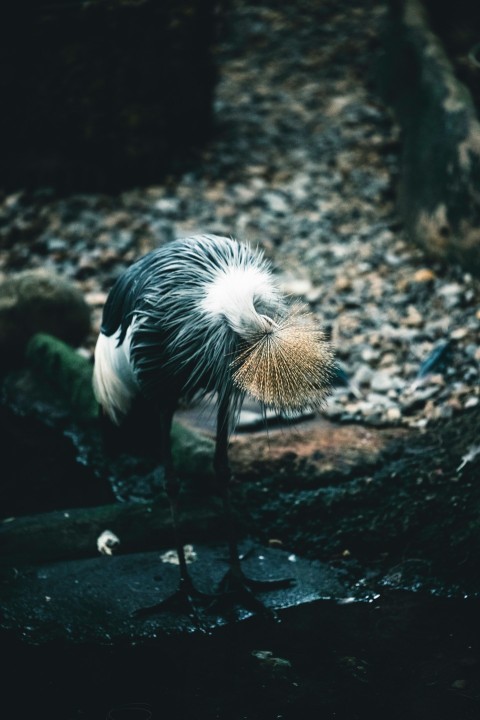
{"x":459,"y":333}
{"x":393,"y":414}
{"x":424,"y":275}
{"x":383,"y":380}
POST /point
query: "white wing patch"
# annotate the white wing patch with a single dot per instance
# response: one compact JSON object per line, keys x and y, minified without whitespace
{"x":114,"y":381}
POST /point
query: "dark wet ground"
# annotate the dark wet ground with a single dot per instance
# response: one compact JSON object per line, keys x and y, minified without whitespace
{"x":404,"y":657}
{"x":96,"y":600}
{"x":369,"y":632}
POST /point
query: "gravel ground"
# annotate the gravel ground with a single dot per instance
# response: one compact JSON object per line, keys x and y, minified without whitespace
{"x":304,"y":163}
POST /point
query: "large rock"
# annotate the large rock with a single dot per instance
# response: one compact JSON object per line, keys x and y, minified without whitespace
{"x":35,"y":301}
{"x":122,"y":585}
{"x":441,"y":139}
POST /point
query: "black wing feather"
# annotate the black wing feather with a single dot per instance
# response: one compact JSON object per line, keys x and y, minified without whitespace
{"x":123,"y":297}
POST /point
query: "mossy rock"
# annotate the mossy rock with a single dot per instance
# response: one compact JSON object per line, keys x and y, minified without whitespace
{"x":35,"y":301}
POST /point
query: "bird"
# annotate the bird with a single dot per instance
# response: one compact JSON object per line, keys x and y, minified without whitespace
{"x":203,"y":316}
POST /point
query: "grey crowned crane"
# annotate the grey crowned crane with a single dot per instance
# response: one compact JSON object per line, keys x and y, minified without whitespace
{"x":203,"y":315}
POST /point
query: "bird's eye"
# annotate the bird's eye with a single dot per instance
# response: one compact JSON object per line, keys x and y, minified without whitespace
{"x":260,"y":306}
{"x":266,"y":309}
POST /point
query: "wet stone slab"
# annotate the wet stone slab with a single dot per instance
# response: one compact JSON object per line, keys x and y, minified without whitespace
{"x":96,"y":600}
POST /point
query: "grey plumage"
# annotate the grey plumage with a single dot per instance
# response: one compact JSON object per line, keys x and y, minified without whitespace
{"x":182,"y":343}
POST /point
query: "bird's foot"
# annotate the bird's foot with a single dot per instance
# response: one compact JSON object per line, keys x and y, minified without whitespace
{"x":186,"y":600}
{"x":235,"y":587}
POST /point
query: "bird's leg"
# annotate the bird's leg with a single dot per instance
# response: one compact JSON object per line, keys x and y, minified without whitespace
{"x":186,"y":597}
{"x":235,"y":580}
{"x":223,"y":477}
{"x":172,"y":488}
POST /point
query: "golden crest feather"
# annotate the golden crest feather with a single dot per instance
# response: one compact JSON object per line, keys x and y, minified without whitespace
{"x":288,"y":366}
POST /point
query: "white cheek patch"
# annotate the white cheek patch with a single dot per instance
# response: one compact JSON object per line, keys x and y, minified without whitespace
{"x":232,"y":295}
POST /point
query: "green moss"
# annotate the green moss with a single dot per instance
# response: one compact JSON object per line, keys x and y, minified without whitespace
{"x":69,"y":376}
{"x":66,"y":371}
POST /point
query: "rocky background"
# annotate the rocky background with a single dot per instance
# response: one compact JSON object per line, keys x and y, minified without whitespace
{"x":304,"y":163}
